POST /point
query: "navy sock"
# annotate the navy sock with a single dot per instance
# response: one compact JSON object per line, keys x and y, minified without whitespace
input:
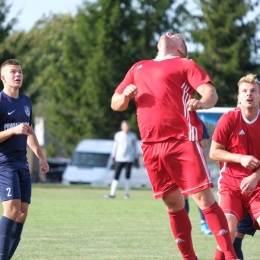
{"x":237,"y":244}
{"x":6,"y":226}
{"x":15,"y":237}
{"x":187,"y":206}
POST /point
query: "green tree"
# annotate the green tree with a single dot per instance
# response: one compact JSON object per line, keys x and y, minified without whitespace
{"x":103,"y":41}
{"x":228,"y":44}
{"x":5,"y":30}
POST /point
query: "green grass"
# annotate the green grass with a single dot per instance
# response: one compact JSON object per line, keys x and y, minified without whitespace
{"x":76,"y":222}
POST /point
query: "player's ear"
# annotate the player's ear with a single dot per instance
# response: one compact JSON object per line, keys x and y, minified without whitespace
{"x":3,"y":78}
{"x":181,"y":52}
{"x":238,"y":100}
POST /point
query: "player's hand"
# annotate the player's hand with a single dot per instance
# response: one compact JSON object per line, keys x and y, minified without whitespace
{"x":44,"y":165}
{"x":249,"y":162}
{"x":194,"y":104}
{"x":249,"y":184}
{"x":130,"y":91}
{"x":21,"y":129}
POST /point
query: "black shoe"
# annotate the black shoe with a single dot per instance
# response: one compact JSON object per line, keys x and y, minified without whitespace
{"x":109,"y":196}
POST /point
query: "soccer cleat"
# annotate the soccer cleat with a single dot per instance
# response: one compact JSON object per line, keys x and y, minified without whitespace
{"x":109,"y":196}
{"x":205,"y":229}
{"x":126,"y":197}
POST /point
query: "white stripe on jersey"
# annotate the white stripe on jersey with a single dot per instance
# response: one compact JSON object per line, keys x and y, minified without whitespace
{"x":193,"y":132}
{"x":185,"y":98}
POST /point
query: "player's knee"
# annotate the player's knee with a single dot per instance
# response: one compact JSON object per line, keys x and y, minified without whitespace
{"x":21,"y":216}
{"x":173,"y":206}
{"x":204,"y":199}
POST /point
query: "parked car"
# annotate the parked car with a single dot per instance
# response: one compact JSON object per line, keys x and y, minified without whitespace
{"x":91,"y":163}
{"x":57,"y":167}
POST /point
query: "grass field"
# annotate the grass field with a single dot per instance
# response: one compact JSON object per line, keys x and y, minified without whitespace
{"x":76,"y":222}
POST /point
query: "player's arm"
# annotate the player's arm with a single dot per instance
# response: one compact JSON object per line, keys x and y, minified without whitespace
{"x":248,"y":184}
{"x":35,"y":147}
{"x":208,"y":99}
{"x":21,"y":129}
{"x":218,"y":153}
{"x":120,"y":102}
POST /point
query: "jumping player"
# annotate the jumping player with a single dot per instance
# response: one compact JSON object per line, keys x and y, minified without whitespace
{"x":15,"y":180}
{"x":170,"y":132}
{"x":236,"y":143}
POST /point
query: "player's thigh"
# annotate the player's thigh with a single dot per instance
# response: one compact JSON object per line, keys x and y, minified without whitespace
{"x":232,"y":203}
{"x":254,"y":209}
{"x":128,"y":167}
{"x":154,"y":160}
{"x":187,"y":164}
{"x":118,"y":168}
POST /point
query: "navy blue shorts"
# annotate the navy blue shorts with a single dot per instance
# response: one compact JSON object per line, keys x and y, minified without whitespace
{"x":246,"y":226}
{"x":15,"y":184}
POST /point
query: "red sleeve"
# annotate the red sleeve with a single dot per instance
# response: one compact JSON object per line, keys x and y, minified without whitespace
{"x":194,"y":75}
{"x":129,"y":78}
{"x":223,"y":129}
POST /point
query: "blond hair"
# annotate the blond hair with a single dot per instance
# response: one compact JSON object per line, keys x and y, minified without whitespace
{"x":10,"y":62}
{"x":249,"y":78}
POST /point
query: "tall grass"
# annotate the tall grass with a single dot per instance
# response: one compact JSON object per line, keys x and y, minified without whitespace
{"x":76,"y":222}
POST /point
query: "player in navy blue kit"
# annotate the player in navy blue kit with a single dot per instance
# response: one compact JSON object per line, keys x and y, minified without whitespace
{"x":15,"y":180}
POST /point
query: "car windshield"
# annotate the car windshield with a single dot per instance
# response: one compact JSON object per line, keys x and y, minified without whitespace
{"x":84,"y":159}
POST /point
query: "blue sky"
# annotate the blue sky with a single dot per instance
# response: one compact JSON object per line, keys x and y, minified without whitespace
{"x":33,"y":10}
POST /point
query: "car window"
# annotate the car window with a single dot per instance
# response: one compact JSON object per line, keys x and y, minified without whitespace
{"x":84,"y":159}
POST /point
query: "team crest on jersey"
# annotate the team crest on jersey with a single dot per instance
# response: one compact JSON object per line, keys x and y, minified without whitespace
{"x":27,"y":110}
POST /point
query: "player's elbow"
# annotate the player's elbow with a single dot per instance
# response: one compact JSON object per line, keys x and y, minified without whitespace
{"x":214,"y":97}
{"x":118,"y":103}
{"x":116,"y":107}
{"x":212,"y":154}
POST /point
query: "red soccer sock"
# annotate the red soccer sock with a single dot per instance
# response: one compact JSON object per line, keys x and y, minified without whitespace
{"x":217,"y":223}
{"x":181,"y":230}
{"x":219,"y":255}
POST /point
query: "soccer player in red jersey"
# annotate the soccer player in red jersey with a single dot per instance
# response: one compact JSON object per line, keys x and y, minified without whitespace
{"x":237,"y":144}
{"x":170,"y":130}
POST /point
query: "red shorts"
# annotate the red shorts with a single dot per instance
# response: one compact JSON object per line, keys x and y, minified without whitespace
{"x":234,"y":203}
{"x":176,"y":164}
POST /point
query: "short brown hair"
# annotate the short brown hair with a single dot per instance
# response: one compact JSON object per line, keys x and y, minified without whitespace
{"x":249,"y":78}
{"x":10,"y":62}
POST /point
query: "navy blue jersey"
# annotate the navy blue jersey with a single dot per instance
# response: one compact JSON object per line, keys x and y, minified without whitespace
{"x":12,"y":113}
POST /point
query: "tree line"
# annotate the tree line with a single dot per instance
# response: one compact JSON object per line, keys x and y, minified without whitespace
{"x":72,"y":64}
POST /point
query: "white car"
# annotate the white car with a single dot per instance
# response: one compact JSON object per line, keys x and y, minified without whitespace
{"x":91,"y":163}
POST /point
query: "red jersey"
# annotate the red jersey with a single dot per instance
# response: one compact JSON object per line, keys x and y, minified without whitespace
{"x":164,"y":87}
{"x":239,"y":136}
